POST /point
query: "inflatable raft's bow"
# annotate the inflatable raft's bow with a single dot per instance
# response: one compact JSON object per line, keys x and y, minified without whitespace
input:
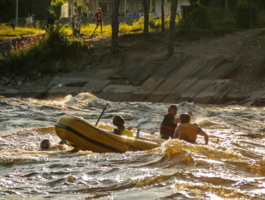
{"x":84,"y":136}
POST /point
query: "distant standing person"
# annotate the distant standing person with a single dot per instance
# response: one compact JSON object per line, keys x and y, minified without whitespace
{"x":99,"y":19}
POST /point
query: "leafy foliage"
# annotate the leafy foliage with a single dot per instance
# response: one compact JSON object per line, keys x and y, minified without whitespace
{"x":242,"y":14}
{"x":8,"y":32}
{"x":55,"y":8}
{"x":4,"y":6}
{"x":223,"y":22}
{"x":39,"y":8}
{"x":199,"y":18}
{"x":56,"y":35}
{"x":36,"y":53}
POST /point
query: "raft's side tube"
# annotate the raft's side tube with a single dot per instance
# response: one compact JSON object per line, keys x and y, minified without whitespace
{"x":86,"y":136}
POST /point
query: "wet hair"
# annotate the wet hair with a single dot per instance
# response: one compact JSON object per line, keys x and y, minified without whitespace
{"x":173,"y":106}
{"x":41,"y":144}
{"x":185,"y":118}
{"x":118,"y":120}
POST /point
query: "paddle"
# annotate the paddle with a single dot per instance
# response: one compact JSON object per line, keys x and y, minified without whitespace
{"x":107,"y":104}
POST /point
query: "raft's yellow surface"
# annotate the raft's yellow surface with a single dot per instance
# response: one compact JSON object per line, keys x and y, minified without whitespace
{"x":86,"y":136}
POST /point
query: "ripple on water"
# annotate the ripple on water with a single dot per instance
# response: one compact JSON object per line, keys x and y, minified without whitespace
{"x":230,"y":167}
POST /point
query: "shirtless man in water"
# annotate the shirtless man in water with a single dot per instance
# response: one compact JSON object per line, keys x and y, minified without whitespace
{"x":188,"y":132}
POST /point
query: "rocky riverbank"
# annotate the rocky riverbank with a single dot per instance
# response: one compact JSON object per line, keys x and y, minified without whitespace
{"x":217,"y":70}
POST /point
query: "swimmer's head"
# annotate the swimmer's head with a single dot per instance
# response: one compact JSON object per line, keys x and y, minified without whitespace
{"x":45,"y":144}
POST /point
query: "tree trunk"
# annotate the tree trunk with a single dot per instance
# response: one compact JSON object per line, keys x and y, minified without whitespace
{"x":76,"y":20}
{"x":146,"y":17}
{"x":80,"y":17}
{"x":84,"y":7}
{"x":74,"y":23}
{"x":115,"y":25}
{"x":163,"y":16}
{"x":250,"y":2}
{"x":172,"y":36}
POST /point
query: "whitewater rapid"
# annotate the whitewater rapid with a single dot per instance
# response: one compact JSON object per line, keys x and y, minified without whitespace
{"x":232,"y":166}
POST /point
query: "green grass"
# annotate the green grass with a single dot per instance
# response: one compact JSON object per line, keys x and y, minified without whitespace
{"x":136,"y":27}
{"x":37,"y":54}
{"x":8,"y":32}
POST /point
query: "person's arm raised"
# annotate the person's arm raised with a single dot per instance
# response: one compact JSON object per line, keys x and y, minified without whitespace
{"x":176,"y":121}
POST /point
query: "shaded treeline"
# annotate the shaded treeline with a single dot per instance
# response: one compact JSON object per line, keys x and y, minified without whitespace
{"x":39,"y":8}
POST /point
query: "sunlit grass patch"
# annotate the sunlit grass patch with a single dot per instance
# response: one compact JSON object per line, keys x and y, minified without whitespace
{"x":8,"y":32}
{"x":136,"y":27}
{"x":36,"y":53}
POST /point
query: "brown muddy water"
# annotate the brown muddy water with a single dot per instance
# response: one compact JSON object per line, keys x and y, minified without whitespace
{"x":232,"y":166}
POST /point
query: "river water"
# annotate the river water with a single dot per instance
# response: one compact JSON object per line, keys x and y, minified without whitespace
{"x":232,"y":166}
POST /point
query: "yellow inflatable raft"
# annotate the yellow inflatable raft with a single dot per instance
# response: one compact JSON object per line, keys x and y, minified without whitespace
{"x":85,"y":136}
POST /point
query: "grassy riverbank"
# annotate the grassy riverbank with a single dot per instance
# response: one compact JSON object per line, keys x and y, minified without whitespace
{"x":137,"y":26}
{"x":38,"y":54}
{"x":9,"y":32}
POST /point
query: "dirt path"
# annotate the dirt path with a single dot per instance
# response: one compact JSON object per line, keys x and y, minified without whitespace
{"x":251,"y":43}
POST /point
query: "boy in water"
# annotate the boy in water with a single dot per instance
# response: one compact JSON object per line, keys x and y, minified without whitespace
{"x":121,"y":130}
{"x":45,"y":144}
{"x":99,"y":19}
{"x":188,"y":132}
{"x":169,"y":123}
